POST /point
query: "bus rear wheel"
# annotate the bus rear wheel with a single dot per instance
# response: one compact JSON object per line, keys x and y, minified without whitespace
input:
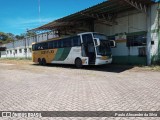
{"x":39,"y":61}
{"x":78,"y":63}
{"x":43,"y":62}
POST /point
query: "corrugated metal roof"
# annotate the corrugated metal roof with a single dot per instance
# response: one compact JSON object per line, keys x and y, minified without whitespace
{"x":106,"y":7}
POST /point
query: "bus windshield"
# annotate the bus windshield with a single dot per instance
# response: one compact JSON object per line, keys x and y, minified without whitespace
{"x":104,"y":47}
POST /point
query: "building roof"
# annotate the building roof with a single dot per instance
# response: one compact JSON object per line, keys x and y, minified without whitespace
{"x":105,"y":10}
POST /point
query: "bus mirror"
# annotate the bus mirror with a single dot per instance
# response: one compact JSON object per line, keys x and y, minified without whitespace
{"x":97,"y":41}
{"x":112,"y":43}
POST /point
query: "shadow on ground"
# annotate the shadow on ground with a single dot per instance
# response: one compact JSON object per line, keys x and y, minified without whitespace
{"x":105,"y":68}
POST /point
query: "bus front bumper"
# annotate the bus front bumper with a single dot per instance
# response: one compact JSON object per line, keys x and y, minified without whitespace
{"x":101,"y":62}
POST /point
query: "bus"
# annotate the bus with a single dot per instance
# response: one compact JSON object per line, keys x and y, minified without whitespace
{"x":89,"y":48}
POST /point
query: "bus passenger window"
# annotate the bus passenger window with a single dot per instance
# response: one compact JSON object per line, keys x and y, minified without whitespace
{"x":45,"y":45}
{"x":33,"y":47}
{"x":55,"y":45}
{"x":76,"y":41}
{"x":87,"y":38}
{"x":50,"y":45}
{"x":67,"y":42}
{"x":59,"y":44}
{"x":37,"y":47}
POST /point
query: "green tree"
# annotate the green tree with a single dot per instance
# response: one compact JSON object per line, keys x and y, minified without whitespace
{"x":30,"y":33}
{"x":4,"y":37}
{"x":19,"y":37}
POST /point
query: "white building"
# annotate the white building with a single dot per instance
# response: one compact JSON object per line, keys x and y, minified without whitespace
{"x":23,"y":48}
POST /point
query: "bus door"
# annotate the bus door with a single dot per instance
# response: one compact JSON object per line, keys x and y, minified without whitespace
{"x":88,"y":47}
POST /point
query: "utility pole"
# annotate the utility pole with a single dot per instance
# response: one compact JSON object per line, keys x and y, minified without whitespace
{"x":25,"y":49}
{"x":149,"y":36}
{"x":13,"y":49}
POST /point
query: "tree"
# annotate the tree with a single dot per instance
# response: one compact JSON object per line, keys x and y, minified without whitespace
{"x":4,"y":37}
{"x":30,"y":33}
{"x":19,"y":37}
{"x":23,"y":35}
{"x":10,"y":35}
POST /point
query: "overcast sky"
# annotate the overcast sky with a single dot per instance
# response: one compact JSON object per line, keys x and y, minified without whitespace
{"x":16,"y":16}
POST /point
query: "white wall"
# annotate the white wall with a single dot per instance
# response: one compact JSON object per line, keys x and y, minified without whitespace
{"x":127,"y":23}
{"x":154,"y":28}
{"x":25,"y":43}
{"x":132,"y":23}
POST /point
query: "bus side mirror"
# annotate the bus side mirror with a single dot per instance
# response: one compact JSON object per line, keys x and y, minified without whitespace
{"x":97,"y":41}
{"x":112,"y":43}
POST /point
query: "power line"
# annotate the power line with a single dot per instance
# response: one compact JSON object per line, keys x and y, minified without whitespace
{"x":39,"y":11}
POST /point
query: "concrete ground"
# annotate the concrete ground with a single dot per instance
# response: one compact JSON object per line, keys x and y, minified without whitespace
{"x":29,"y":87}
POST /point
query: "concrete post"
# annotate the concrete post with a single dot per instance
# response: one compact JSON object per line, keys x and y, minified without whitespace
{"x":148,"y":49}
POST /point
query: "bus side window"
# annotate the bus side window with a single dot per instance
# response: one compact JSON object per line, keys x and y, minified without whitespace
{"x":59,"y":43}
{"x":33,"y":47}
{"x":45,"y":45}
{"x":36,"y":46}
{"x":50,"y":45}
{"x":55,"y":43}
{"x":64,"y":42}
{"x":87,"y":38}
{"x":40,"y":47}
{"x":76,"y":41}
{"x":67,"y":42}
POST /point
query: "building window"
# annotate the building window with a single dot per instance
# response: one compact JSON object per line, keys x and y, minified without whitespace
{"x":136,"y":40}
{"x":15,"y":51}
{"x":30,"y":49}
{"x":25,"y":50}
{"x":142,"y":51}
{"x":20,"y":50}
{"x":10,"y":51}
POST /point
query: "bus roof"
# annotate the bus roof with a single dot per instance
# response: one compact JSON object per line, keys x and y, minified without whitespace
{"x":58,"y":38}
{"x":86,"y":33}
{"x":64,"y":37}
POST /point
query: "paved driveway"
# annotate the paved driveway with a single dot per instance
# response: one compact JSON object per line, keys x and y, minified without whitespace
{"x":64,"y":88}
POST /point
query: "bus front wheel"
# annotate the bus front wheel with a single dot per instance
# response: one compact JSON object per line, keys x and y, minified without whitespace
{"x":78,"y":63}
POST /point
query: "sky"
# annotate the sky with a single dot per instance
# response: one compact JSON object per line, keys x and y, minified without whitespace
{"x":16,"y":16}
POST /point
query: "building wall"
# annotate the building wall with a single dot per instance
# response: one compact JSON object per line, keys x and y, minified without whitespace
{"x":155,"y":33}
{"x":23,"y":48}
{"x":129,"y":23}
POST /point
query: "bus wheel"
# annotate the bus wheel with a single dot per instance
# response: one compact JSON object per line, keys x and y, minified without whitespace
{"x":78,"y":63}
{"x":43,"y":61}
{"x":39,"y":61}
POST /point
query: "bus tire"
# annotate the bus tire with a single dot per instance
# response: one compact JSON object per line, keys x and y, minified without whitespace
{"x":78,"y":63}
{"x":43,"y":61}
{"x":39,"y":61}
